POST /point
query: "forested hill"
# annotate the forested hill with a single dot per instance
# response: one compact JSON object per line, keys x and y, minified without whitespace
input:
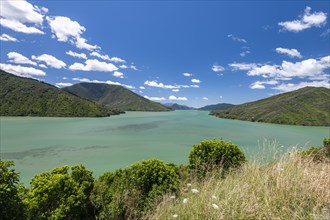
{"x":114,"y":97}
{"x":306,"y":106}
{"x":28,"y":97}
{"x":220,"y":106}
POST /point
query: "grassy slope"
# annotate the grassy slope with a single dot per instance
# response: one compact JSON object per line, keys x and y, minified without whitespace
{"x":28,"y":97}
{"x":115,"y":97}
{"x":291,"y":187}
{"x":306,"y":106}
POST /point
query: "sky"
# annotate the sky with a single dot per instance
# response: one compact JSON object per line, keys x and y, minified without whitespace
{"x":193,"y":53}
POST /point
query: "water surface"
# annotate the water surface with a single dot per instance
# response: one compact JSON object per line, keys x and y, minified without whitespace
{"x":104,"y":144}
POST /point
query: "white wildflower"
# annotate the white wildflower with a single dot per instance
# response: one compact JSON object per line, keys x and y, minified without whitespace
{"x":188,"y":184}
{"x":175,"y":215}
{"x":214,"y":197}
{"x":194,"y":191}
{"x":215,"y":206}
{"x":185,"y":201}
{"x":172,"y":197}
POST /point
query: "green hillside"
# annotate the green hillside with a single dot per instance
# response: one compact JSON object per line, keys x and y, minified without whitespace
{"x":176,"y":106}
{"x":28,"y":97}
{"x":306,"y":106}
{"x":114,"y":97}
{"x":220,"y":106}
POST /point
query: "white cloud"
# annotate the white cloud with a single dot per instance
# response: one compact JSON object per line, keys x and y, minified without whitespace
{"x":244,"y":53}
{"x":18,"y":58}
{"x":19,"y":27}
{"x":174,"y":98}
{"x":260,"y":84}
{"x":175,"y":90}
{"x":325,"y":33}
{"x":290,"y":52}
{"x":94,"y":65}
{"x":238,"y":39}
{"x":194,"y":86}
{"x":50,"y":61}
{"x":43,"y":66}
{"x":305,"y":21}
{"x":156,"y":99}
{"x":218,"y":68}
{"x":133,"y":67}
{"x":67,"y":30}
{"x":62,"y":84}
{"x":243,"y":66}
{"x":118,"y":74}
{"x":77,"y":55}
{"x":123,"y":66}
{"x":111,"y":59}
{"x":14,"y":15}
{"x":21,"y":70}
{"x":205,"y":98}
{"x":142,"y":87}
{"x":187,"y":74}
{"x":195,"y":81}
{"x":99,"y":81}
{"x":103,"y":57}
{"x":6,"y":37}
{"x":290,"y":86}
{"x":160,"y":85}
{"x":117,"y":60}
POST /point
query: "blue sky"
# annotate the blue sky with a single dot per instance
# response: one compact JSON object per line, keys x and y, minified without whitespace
{"x":189,"y":52}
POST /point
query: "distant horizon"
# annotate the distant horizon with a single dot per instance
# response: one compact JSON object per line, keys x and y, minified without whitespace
{"x":192,"y":53}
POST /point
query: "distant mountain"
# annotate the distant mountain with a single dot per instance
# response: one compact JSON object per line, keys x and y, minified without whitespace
{"x":175,"y":106}
{"x":220,"y":106}
{"x":28,"y":97}
{"x":306,"y":106}
{"x":114,"y":97}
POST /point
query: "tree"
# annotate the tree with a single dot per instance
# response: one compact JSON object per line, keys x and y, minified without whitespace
{"x":61,"y":195}
{"x":11,"y":205}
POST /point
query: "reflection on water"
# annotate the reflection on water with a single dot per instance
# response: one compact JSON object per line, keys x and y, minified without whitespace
{"x":105,"y":144}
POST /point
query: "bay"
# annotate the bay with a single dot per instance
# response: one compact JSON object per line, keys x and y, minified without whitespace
{"x":38,"y":144}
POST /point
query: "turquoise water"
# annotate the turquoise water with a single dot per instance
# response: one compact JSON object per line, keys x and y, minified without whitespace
{"x":105,"y":144}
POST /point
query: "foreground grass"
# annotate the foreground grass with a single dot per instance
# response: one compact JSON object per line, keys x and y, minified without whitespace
{"x":291,"y":187}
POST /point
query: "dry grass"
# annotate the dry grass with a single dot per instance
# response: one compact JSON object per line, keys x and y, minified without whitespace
{"x":290,"y":187}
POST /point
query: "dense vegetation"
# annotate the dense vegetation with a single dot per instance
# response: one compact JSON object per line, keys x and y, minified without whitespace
{"x":306,"y":106}
{"x":290,"y":187}
{"x":176,"y":106}
{"x":220,"y":106}
{"x":28,"y":97}
{"x":114,"y":97}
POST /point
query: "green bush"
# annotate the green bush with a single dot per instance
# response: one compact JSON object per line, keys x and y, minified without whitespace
{"x":11,"y":205}
{"x":130,"y":193}
{"x":326,"y":142}
{"x":61,"y":195}
{"x":211,"y":154}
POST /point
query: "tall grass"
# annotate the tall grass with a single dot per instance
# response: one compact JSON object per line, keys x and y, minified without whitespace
{"x":289,"y":187}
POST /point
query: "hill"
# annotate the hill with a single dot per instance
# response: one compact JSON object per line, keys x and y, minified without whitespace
{"x":114,"y":97}
{"x":220,"y":106}
{"x":28,"y":97}
{"x":306,"y":106}
{"x":175,"y":106}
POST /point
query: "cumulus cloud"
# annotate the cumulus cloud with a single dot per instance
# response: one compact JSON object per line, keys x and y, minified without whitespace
{"x":194,"y":86}
{"x":99,"y":81}
{"x":67,"y":30}
{"x":187,"y":74}
{"x":77,"y":55}
{"x":63,"y":84}
{"x":43,"y":66}
{"x":305,"y":21}
{"x":205,"y":98}
{"x":291,"y":86}
{"x":174,"y":98}
{"x":6,"y":37}
{"x":94,"y":65}
{"x":142,"y":87}
{"x":50,"y":61}
{"x":160,"y":85}
{"x":244,"y":53}
{"x":15,"y":14}
{"x":21,"y":70}
{"x":260,"y":84}
{"x":106,"y":57}
{"x":243,"y":66}
{"x":196,"y":81}
{"x":290,"y":52}
{"x":238,"y":39}
{"x":175,"y":90}
{"x":218,"y":68}
{"x":156,"y":99}
{"x":123,"y":66}
{"x":18,"y":58}
{"x":118,"y":74}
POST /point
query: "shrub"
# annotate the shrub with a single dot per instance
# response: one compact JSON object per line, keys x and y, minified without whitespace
{"x":11,"y":205}
{"x":211,"y":154}
{"x":129,"y":193}
{"x":61,"y":195}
